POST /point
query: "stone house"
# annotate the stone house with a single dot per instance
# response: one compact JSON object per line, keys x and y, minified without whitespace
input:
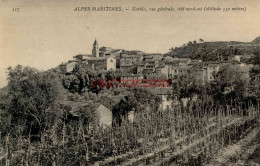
{"x":178,"y":70}
{"x":127,"y":60}
{"x":82,"y":57}
{"x":210,"y":68}
{"x":205,"y":71}
{"x":164,"y":94}
{"x":234,"y":58}
{"x":68,"y":67}
{"x":110,"y":101}
{"x":105,"y":116}
{"x":102,"y":63}
{"x":152,"y":57}
{"x":141,"y":66}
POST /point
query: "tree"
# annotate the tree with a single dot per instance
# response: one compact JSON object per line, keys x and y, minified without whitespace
{"x":254,"y":85}
{"x":184,"y":85}
{"x":138,"y":100}
{"x":31,"y":93}
{"x":88,"y":115}
{"x":5,"y":118}
{"x":189,"y":43}
{"x":230,"y":85}
{"x":83,"y":78}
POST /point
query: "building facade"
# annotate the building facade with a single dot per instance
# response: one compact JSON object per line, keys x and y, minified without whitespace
{"x":128,"y":60}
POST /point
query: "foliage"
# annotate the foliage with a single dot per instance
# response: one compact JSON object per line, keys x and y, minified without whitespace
{"x":88,"y":115}
{"x":31,"y":94}
{"x":138,"y":100}
{"x":5,"y":117}
{"x":84,"y":79}
{"x":230,"y":85}
{"x":254,"y":85}
{"x":213,"y":51}
{"x":185,"y":85}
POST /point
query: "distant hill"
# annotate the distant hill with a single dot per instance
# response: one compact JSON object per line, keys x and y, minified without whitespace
{"x":257,"y":40}
{"x":215,"y":51}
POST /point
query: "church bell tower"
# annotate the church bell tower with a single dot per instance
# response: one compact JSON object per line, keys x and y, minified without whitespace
{"x":95,"y":50}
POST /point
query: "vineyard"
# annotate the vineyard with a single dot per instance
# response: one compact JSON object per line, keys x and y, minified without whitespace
{"x":191,"y":136}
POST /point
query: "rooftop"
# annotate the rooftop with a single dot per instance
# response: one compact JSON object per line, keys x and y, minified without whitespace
{"x":100,"y":58}
{"x":129,"y":55}
{"x":95,"y":42}
{"x":131,"y":75}
{"x":142,"y":63}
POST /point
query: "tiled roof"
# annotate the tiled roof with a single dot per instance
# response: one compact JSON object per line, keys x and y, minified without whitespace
{"x":99,"y":58}
{"x":131,"y":75}
{"x":172,"y":62}
{"x":103,"y":108}
{"x":134,"y":56}
{"x":182,"y":59}
{"x":161,"y":66}
{"x":148,"y":70}
{"x":153,"y":54}
{"x":168,"y":58}
{"x":182,"y":67}
{"x":116,"y":98}
{"x":142,"y":63}
{"x":210,"y":62}
{"x":113,"y":100}
{"x":82,"y":55}
{"x":75,"y":106}
{"x":126,"y":65}
{"x":150,"y":64}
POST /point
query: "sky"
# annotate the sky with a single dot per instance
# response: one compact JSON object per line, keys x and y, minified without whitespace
{"x":45,"y":33}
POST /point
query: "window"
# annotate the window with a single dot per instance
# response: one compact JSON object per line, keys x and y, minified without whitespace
{"x":111,"y":60}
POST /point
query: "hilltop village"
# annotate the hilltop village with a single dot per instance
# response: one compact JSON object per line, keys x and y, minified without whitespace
{"x":140,"y":65}
{"x":147,"y":65}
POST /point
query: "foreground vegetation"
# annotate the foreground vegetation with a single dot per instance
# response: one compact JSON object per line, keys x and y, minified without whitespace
{"x":177,"y":136}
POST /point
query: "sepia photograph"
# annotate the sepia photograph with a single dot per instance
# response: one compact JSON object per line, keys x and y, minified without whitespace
{"x":129,"y":83}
